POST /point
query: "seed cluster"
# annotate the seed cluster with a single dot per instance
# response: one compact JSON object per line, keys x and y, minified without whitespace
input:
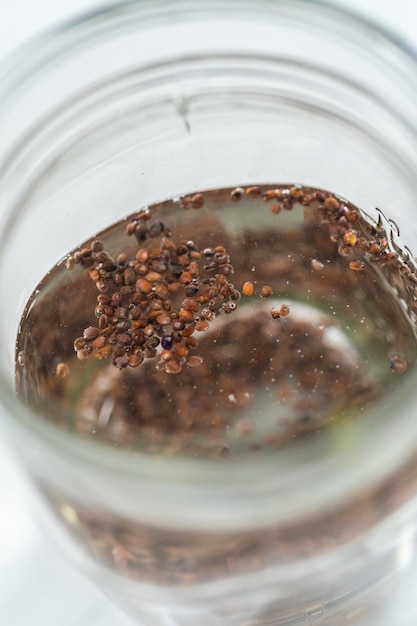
{"x":152,"y":305}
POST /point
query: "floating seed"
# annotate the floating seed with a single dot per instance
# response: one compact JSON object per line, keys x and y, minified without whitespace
{"x":398,"y":365}
{"x":237,"y":194}
{"x":194,"y":361}
{"x":172,"y":367}
{"x":91,"y":333}
{"x":266,"y":291}
{"x":253,"y":192}
{"x":350,"y":238}
{"x":331,"y":203}
{"x":247,"y":288}
{"x":316,"y":264}
{"x":62,"y":370}
{"x":357,"y":266}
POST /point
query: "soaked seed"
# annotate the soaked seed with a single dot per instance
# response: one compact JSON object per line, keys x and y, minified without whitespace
{"x":153,"y":277}
{"x":229,"y":307}
{"x":94,"y":274}
{"x":178,"y":325}
{"x":350,"y":238}
{"x":237,"y":194}
{"x":163,"y":319}
{"x":172,"y":367}
{"x":331,"y":203}
{"x":247,"y":289}
{"x":316,"y":264}
{"x":253,"y":191}
{"x":166,"y":342}
{"x":62,"y":370}
{"x":201,"y":325}
{"x":185,"y":278}
{"x":357,"y":266}
{"x":180,"y":350}
{"x":186,"y":315}
{"x":266,"y":291}
{"x":156,"y":229}
{"x":398,"y":365}
{"x":143,"y":286}
{"x":276,"y":208}
{"x":142,"y":255}
{"x":129,"y":276}
{"x":134,"y":360}
{"x":91,"y":333}
{"x":194,"y":361}
{"x":197,"y":201}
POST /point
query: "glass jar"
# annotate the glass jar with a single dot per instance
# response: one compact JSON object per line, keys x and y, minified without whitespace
{"x":143,"y":101}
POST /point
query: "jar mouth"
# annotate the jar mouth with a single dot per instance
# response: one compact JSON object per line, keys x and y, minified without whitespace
{"x":251,"y":490}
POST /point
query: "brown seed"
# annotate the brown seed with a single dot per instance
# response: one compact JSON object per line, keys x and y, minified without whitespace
{"x":357,"y":266}
{"x":253,"y":191}
{"x":124,"y":339}
{"x":284,"y":310}
{"x":296,"y":192}
{"x":153,"y":277}
{"x":102,"y":286}
{"x":121,"y":258}
{"x":316,"y":264}
{"x":98,"y":343}
{"x":185,"y":278}
{"x":135,"y":360}
{"x":266,"y":291}
{"x":181,"y":350}
{"x":62,"y":370}
{"x":191,"y":342}
{"x":178,"y":325}
{"x":172,"y":367}
{"x":398,"y":365}
{"x":142,"y":255}
{"x":162,"y":292}
{"x":188,"y":331}
{"x":194,"y":361}
{"x":201,"y":325}
{"x":270,"y":194}
{"x":94,"y":274}
{"x":331,"y":203}
{"x":193,"y":269}
{"x":129,"y":276}
{"x":276,"y":208}
{"x":227,"y":269}
{"x":275,"y":313}
{"x":343,"y":251}
{"x":197,"y":201}
{"x":143,"y":286}
{"x":237,"y":194}
{"x":188,"y":303}
{"x":69,"y":263}
{"x":91,"y":333}
{"x":208,"y":314}
{"x":163,"y":319}
{"x":186,"y":315}
{"x":79,"y":343}
{"x":350,"y":238}
{"x":82,"y":355}
{"x":229,"y":307}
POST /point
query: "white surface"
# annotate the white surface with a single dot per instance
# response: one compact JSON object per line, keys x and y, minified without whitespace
{"x":37,"y":587}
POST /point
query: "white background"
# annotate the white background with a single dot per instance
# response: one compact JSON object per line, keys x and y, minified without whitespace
{"x":37,"y":586}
